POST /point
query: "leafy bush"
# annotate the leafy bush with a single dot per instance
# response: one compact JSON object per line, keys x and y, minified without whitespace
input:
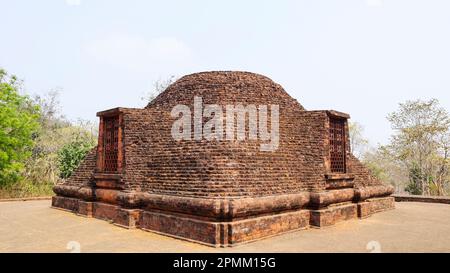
{"x":25,"y":188}
{"x":71,"y":155}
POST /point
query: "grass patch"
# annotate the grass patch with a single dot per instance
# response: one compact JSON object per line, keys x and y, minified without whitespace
{"x":24,"y":189}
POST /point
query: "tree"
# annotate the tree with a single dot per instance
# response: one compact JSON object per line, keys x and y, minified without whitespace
{"x":421,"y":144}
{"x":385,"y":166}
{"x":72,"y":154}
{"x":56,"y":133}
{"x":18,"y":123}
{"x":158,"y":87}
{"x":358,"y":144}
{"x":38,"y":145}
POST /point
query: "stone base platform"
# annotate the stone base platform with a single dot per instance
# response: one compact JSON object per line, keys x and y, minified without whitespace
{"x":223,"y":232}
{"x":374,"y":205}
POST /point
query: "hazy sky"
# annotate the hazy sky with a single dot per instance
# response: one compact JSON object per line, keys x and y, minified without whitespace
{"x":362,"y":57}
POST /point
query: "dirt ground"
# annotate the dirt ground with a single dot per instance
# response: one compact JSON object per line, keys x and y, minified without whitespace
{"x":32,"y":226}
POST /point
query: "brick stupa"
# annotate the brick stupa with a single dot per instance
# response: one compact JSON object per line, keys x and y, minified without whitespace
{"x":222,"y":192}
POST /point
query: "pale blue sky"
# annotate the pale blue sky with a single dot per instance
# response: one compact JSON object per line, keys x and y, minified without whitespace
{"x":362,"y":57}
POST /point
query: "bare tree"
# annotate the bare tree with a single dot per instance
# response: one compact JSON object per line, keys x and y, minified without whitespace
{"x":159,"y":86}
{"x":358,"y":144}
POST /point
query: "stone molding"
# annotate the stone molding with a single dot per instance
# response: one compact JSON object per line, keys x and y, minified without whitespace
{"x":421,"y":198}
{"x":223,"y":208}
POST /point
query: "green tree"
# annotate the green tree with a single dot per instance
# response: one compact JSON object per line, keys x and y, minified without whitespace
{"x":416,"y":160}
{"x":56,"y":133}
{"x":71,"y":155}
{"x":421,"y":144}
{"x":18,"y":123}
{"x":38,"y":145}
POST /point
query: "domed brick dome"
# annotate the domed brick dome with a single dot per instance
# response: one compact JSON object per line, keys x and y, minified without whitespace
{"x":225,"y":87}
